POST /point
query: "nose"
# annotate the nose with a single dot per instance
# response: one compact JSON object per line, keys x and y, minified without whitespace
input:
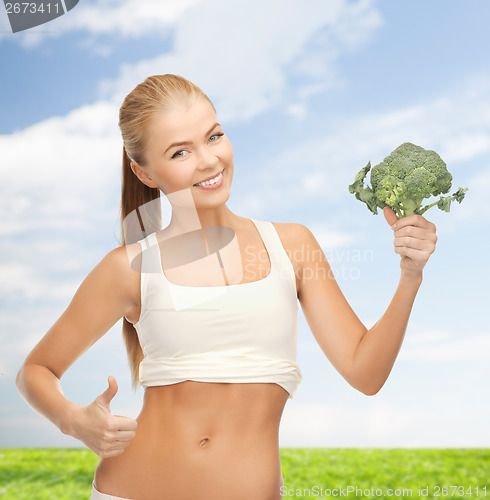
{"x":208,"y":160}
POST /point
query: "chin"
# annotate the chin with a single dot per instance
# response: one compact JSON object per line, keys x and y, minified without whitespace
{"x":215,"y":202}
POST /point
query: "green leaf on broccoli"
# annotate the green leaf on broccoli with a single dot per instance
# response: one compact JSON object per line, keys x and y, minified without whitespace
{"x":404,"y":179}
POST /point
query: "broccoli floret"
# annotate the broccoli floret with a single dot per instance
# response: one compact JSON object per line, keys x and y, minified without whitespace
{"x":404,"y":179}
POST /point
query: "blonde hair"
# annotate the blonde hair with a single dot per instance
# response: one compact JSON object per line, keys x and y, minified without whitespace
{"x":140,"y":209}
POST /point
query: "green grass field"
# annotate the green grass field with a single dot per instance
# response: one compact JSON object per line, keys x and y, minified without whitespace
{"x":66,"y":474}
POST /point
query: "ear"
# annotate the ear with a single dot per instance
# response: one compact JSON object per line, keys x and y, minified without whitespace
{"x":142,"y":175}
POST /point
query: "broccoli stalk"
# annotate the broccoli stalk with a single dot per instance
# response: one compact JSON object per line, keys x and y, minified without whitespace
{"x":444,"y":203}
{"x":404,"y":179}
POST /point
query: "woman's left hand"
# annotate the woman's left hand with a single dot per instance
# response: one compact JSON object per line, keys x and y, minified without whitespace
{"x":415,"y":240}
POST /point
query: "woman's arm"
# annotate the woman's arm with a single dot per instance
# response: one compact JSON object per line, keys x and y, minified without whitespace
{"x":41,"y":389}
{"x":363,"y":357}
{"x":102,"y":299}
{"x":376,"y":352}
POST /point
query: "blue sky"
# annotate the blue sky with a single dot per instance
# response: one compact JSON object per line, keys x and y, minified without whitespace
{"x":308,"y":92}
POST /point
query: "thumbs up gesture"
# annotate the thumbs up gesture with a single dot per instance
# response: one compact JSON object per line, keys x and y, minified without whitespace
{"x":105,"y":434}
{"x":415,"y":240}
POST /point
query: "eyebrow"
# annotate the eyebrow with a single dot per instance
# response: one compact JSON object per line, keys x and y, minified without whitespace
{"x":190,"y":142}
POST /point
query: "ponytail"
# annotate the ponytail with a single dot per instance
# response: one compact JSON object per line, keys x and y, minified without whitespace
{"x":140,"y":206}
{"x":140,"y":216}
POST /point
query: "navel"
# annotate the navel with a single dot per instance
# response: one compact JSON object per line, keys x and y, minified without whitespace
{"x":204,"y":442}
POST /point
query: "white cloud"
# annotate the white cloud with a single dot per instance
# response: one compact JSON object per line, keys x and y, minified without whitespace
{"x":246,"y":53}
{"x":60,"y":169}
{"x":386,"y":421}
{"x":245,"y":44}
{"x":467,"y":145}
{"x":126,"y":18}
{"x":473,"y":207}
{"x":130,"y":18}
{"x":456,"y":125}
{"x":332,"y":241}
{"x":440,"y":346}
{"x":299,"y":111}
{"x":379,"y":422}
{"x":427,"y":337}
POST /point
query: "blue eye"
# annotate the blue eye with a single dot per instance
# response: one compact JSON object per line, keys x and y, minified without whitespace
{"x":177,"y":155}
{"x":216,"y":135}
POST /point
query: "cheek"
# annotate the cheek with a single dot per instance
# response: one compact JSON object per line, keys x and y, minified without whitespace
{"x":170,"y":182}
{"x":227,"y":152}
{"x":181,"y":177}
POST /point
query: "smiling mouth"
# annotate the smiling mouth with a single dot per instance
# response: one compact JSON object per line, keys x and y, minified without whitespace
{"x":210,"y":182}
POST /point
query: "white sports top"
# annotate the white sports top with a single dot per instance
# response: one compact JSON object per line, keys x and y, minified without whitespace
{"x":243,"y":333}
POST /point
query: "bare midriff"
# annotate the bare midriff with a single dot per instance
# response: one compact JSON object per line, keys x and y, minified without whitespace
{"x":198,"y":440}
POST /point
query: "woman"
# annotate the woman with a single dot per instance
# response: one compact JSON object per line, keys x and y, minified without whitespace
{"x":209,"y":308}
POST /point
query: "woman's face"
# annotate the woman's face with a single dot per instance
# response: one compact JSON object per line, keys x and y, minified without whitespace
{"x":175,"y":167}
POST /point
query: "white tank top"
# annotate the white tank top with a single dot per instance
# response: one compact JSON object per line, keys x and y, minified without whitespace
{"x":244,"y":333}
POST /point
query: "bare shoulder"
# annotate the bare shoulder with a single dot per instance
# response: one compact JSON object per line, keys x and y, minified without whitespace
{"x":292,"y":234}
{"x":293,"y":237}
{"x":126,"y":262}
{"x":121,"y":266}
{"x":126,"y":257}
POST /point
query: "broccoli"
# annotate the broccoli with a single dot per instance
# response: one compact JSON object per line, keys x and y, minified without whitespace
{"x":404,"y":179}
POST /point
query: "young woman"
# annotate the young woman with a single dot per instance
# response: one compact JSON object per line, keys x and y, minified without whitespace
{"x":209,"y":307}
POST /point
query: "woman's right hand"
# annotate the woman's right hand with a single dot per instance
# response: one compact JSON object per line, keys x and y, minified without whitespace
{"x":105,"y":434}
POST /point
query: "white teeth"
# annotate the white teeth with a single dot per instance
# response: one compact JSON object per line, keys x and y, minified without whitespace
{"x":211,"y":181}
